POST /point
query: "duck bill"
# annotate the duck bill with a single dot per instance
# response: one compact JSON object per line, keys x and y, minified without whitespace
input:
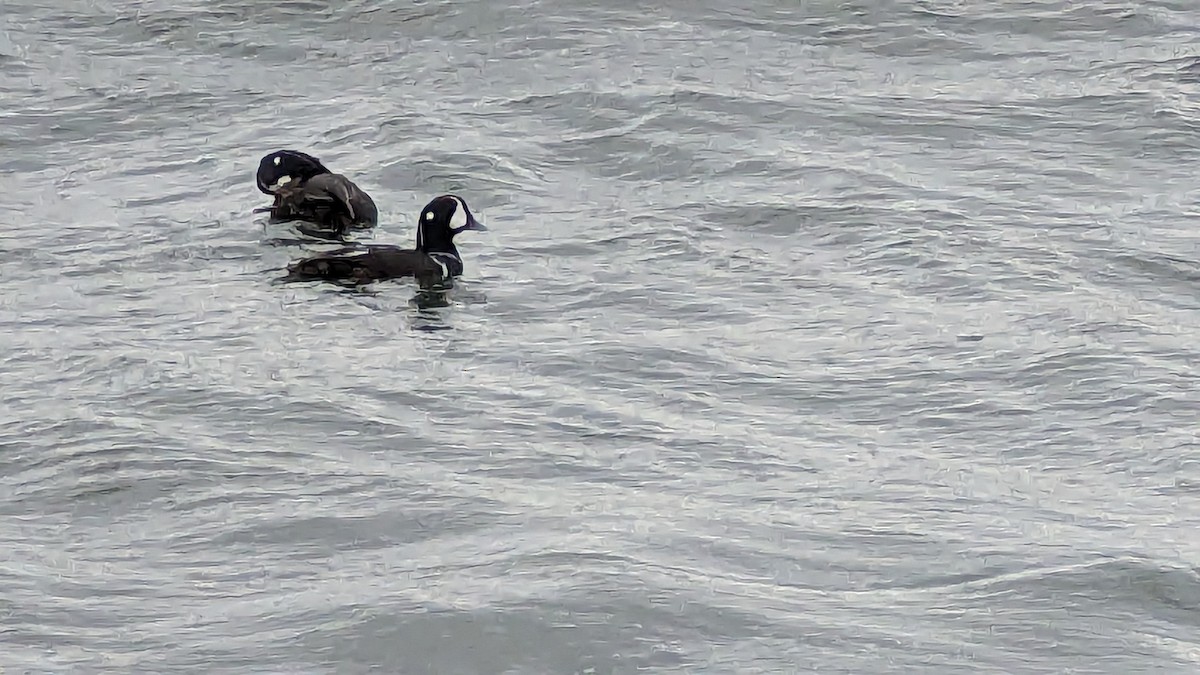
{"x":473,"y":224}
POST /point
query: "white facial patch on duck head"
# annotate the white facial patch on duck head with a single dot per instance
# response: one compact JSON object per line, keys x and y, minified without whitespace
{"x":278,"y":160}
{"x":459,"y":220}
{"x":429,"y":215}
{"x":283,"y":180}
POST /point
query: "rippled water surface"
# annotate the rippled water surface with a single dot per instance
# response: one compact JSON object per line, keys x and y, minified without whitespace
{"x":837,"y":337}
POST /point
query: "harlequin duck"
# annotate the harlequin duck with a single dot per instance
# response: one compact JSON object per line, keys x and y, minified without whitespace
{"x":305,"y":190}
{"x":434,"y":259}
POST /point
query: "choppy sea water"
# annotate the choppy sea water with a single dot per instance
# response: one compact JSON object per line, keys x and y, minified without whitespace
{"x":807,"y":337}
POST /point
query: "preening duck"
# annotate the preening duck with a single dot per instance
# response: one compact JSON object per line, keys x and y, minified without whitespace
{"x":304,"y":189}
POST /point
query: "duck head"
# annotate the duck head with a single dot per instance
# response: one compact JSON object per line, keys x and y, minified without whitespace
{"x":286,"y":166}
{"x":442,"y":219}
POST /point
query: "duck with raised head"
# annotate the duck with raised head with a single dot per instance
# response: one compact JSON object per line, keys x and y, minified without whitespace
{"x":435,"y":258}
{"x":304,"y":189}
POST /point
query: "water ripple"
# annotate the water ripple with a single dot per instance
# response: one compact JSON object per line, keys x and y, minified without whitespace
{"x":851,"y":339}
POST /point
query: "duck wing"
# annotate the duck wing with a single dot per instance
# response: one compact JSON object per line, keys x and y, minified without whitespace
{"x":330,"y":187}
{"x":361,"y":204}
{"x":367,"y":263}
{"x":331,"y":200}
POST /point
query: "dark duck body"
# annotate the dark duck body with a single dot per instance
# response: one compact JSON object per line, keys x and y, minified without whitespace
{"x":435,"y":258}
{"x":305,"y":190}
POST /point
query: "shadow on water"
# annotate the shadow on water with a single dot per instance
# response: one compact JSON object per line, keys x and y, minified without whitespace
{"x":297,"y":232}
{"x":430,"y":298}
{"x":429,"y":301}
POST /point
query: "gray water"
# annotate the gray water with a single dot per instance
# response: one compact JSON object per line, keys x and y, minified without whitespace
{"x":834,"y":337}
